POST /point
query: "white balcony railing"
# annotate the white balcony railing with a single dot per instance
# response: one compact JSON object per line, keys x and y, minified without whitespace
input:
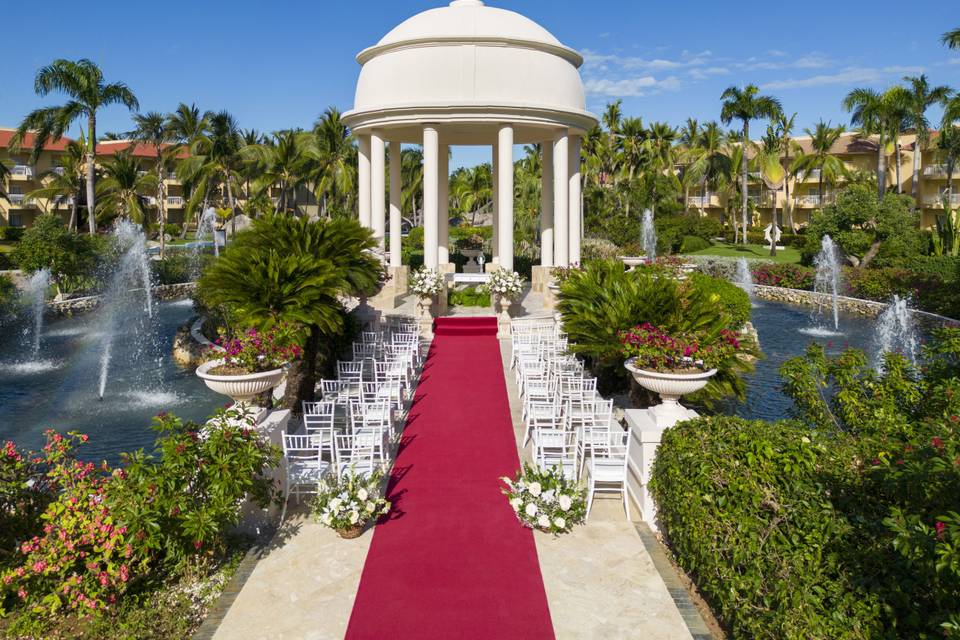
{"x":809,"y":200}
{"x":22,"y":171}
{"x":938,"y":200}
{"x":809,"y":176}
{"x":16,"y":198}
{"x":171,"y":175}
{"x":939,"y":171}
{"x":175,"y":201}
{"x":703,"y":201}
{"x":59,"y":171}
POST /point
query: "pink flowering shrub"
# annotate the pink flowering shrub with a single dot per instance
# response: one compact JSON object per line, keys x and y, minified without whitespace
{"x":255,"y":351}
{"x":656,"y":350}
{"x":23,"y":498}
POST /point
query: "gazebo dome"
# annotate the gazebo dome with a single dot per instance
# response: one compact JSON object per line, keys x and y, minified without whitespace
{"x":470,"y":63}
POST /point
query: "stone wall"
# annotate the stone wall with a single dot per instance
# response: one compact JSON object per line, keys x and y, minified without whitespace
{"x":71,"y":306}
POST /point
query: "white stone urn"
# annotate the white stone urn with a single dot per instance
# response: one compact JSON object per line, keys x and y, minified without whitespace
{"x":242,"y":388}
{"x":632,"y":262}
{"x":425,"y":311}
{"x":503,"y":317}
{"x":670,"y":387}
{"x":472,"y":265}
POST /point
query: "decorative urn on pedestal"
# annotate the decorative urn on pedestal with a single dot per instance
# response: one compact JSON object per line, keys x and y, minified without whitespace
{"x":670,"y":387}
{"x":426,"y":284}
{"x":507,"y":286}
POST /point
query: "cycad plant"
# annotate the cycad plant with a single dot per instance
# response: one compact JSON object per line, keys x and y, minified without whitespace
{"x":600,"y":301}
{"x":291,"y":270}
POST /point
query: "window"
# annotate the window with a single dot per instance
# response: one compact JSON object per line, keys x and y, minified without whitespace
{"x":16,"y":220}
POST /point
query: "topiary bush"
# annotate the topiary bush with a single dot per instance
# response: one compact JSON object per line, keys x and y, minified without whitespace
{"x":691,"y":244}
{"x":733,"y":300}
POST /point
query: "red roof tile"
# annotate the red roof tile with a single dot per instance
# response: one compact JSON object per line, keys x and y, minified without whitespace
{"x":111,"y":147}
{"x":27,"y":144}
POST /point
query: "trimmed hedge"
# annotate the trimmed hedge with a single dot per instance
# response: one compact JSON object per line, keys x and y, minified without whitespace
{"x":692,"y":244}
{"x":730,"y":298}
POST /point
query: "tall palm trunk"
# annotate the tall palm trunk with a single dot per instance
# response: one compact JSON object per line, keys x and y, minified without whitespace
{"x":896,"y":150}
{"x":787,"y":205}
{"x":161,"y":205}
{"x":881,"y":169}
{"x":73,"y":213}
{"x":233,"y":210}
{"x":91,"y":171}
{"x":743,"y":177}
{"x":915,"y":180}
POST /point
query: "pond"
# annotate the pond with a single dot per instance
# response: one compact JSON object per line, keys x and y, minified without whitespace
{"x":59,"y":387}
{"x":785,"y":331}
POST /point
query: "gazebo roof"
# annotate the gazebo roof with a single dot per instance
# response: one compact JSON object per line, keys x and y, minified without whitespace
{"x":468,"y":67}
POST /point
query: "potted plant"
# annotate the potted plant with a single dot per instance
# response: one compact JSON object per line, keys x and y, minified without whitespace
{"x":250,"y":364}
{"x":675,"y":365}
{"x":426,"y":284}
{"x":471,"y":248}
{"x":507,"y":286}
{"x":348,"y":503}
{"x":546,"y":500}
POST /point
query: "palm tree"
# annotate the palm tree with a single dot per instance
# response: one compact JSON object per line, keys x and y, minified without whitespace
{"x":215,"y":159}
{"x":880,"y":114}
{"x":472,"y":189}
{"x":411,"y":168}
{"x":831,"y":168}
{"x":332,"y":161}
{"x":4,"y":173}
{"x":124,"y":188}
{"x":153,"y":129}
{"x":922,"y":97}
{"x":66,"y":182}
{"x":949,"y":140}
{"x":689,"y":153}
{"x":768,"y":160}
{"x":187,"y":125}
{"x":712,"y":161}
{"x":289,"y":270}
{"x":280,"y":161}
{"x":612,"y":116}
{"x":632,"y":137}
{"x":746,"y":105}
{"x":661,"y":155}
{"x":784,"y":126}
{"x":82,"y":81}
{"x":951,"y":39}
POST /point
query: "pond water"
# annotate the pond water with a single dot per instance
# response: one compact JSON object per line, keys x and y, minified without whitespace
{"x":59,"y":388}
{"x":785,"y":332}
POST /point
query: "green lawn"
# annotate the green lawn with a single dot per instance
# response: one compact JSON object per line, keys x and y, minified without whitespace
{"x":750,"y":251}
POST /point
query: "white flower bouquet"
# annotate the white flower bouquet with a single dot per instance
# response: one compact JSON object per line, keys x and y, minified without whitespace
{"x":348,"y":503}
{"x":545,"y":500}
{"x":426,"y":282}
{"x":505,"y":284}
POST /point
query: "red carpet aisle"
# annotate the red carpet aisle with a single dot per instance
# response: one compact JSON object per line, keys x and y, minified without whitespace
{"x":452,"y":561}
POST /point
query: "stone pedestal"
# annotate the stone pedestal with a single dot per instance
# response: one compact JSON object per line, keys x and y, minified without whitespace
{"x":539,"y":278}
{"x":643,"y":441}
{"x":255,"y":520}
{"x":368,"y":316}
{"x":425,"y":316}
{"x":503,"y":318}
{"x":447,"y":267}
{"x":472,"y":265}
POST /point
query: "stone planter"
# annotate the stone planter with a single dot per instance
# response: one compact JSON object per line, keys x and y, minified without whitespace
{"x":632,"y":262}
{"x":473,"y":265}
{"x":670,"y":387}
{"x":425,"y":313}
{"x":503,"y":317}
{"x":242,"y":388}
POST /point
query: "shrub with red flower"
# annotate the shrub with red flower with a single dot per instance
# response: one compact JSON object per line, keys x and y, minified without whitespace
{"x":790,"y":276}
{"x":253,"y":351}
{"x":656,"y":350}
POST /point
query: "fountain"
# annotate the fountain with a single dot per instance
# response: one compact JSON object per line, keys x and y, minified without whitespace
{"x":648,"y":235}
{"x":207,"y":227}
{"x":896,"y":333}
{"x":35,"y":293}
{"x":743,"y":278}
{"x":129,"y":286}
{"x":827,"y":280}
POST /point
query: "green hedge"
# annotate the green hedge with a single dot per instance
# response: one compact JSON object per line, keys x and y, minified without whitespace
{"x":692,"y":244}
{"x":11,"y":234}
{"x":731,"y":299}
{"x":469,"y":297}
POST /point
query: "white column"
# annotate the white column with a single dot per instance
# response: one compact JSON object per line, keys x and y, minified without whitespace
{"x":505,"y":196}
{"x":561,"y":198}
{"x":396,"y":190}
{"x":495,"y":198}
{"x":443,"y":230}
{"x":363,"y":179}
{"x":546,"y":204}
{"x":377,"y":186}
{"x":573,"y":206}
{"x":431,"y":187}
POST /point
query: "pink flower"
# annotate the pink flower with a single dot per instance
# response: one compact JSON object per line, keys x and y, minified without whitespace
{"x":941,"y":529}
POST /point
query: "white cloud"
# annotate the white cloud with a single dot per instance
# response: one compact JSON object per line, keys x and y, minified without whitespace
{"x":776,"y":53}
{"x":631,"y":87}
{"x":851,"y":75}
{"x":903,"y":70}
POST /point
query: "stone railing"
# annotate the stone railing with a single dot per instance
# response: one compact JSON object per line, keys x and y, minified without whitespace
{"x":72,"y":306}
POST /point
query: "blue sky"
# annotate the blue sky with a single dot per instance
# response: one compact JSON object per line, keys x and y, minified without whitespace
{"x":279,"y":64}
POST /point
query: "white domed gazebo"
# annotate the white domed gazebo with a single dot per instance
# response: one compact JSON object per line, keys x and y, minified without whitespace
{"x":469,"y":74}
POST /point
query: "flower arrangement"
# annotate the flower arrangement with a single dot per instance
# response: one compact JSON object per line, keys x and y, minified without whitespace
{"x":254,"y":351}
{"x":656,"y":350}
{"x":346,"y":504}
{"x":426,"y":282}
{"x":505,"y":284}
{"x":546,"y":500}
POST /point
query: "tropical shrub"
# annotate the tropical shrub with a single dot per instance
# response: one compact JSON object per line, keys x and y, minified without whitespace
{"x":469,"y":297}
{"x":11,"y":234}
{"x":179,"y":267}
{"x":350,"y":500}
{"x":790,"y":276}
{"x":9,"y":297}
{"x":22,"y":498}
{"x":545,"y":500}
{"x":692,"y":244}
{"x":601,"y":300}
{"x":597,"y":249}
{"x":48,"y":244}
{"x":732,"y":299}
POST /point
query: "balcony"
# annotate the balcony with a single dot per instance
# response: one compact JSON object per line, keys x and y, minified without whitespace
{"x":150,"y":200}
{"x":708,"y":200}
{"x":172,"y":177}
{"x":59,"y":171}
{"x":21,"y":172}
{"x":809,"y":176}
{"x":175,"y":201}
{"x":936,"y":201}
{"x":813,"y":200}
{"x":766,"y":199}
{"x":19,"y":200}
{"x":939,"y":171}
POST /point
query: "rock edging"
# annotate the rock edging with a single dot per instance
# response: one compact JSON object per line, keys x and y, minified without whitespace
{"x":71,"y":306}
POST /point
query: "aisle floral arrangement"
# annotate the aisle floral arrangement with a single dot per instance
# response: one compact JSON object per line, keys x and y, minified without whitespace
{"x":426,"y":282}
{"x":656,"y":350}
{"x":347,"y":503}
{"x":545,"y":500}
{"x":505,"y":284}
{"x":255,"y":351}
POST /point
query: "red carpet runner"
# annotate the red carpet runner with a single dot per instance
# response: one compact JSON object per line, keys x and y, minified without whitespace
{"x":452,"y":561}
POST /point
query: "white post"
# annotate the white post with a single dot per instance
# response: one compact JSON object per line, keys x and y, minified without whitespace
{"x":363,"y":178}
{"x":561,"y":198}
{"x":505,"y":196}
{"x":495,"y":197}
{"x":431,"y":187}
{"x":546,"y":204}
{"x":443,"y":254}
{"x":573,"y":205}
{"x":377,"y":187}
{"x":396,"y":189}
